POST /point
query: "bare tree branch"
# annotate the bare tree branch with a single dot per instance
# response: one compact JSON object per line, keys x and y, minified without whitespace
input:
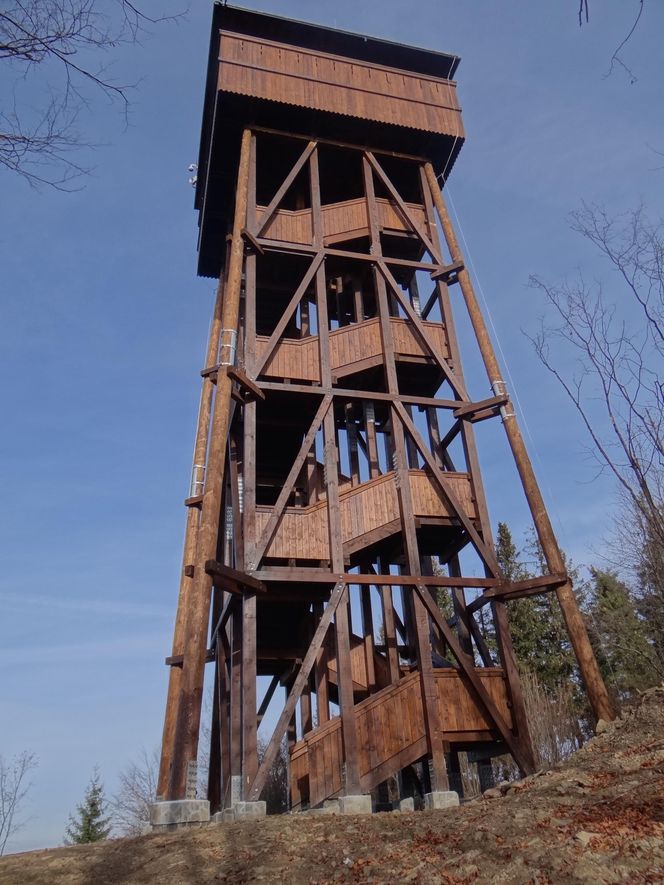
{"x":13,"y":791}
{"x":615,"y":380}
{"x":54,"y":49}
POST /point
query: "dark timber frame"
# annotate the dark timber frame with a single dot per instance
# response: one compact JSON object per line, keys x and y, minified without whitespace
{"x":323,"y":481}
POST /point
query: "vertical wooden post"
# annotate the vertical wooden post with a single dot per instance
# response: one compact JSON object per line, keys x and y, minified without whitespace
{"x":321,"y":673}
{"x":249,"y":719}
{"x":214,"y":759}
{"x":344,"y":673}
{"x":368,"y":635}
{"x":588,"y":667}
{"x":236,"y":692}
{"x":421,"y":620}
{"x":372,"y":447}
{"x":196,"y":624}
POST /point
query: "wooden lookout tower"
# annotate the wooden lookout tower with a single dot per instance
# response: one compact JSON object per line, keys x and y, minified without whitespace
{"x":338,"y":547}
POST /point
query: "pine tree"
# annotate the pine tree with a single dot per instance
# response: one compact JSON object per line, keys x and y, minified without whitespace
{"x":90,"y":823}
{"x":626,"y":658}
{"x":538,"y":632}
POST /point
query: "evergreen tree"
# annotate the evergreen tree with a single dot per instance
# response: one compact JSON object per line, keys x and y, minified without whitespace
{"x":90,"y":823}
{"x":538,"y":632}
{"x":627,"y":659}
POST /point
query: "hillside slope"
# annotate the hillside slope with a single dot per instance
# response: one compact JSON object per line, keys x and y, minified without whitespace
{"x":599,"y":818}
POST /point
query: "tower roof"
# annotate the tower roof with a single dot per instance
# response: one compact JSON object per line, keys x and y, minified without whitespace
{"x":276,"y":73}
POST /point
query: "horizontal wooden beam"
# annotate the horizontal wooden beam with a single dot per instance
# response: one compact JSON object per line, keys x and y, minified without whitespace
{"x":446,"y":271}
{"x":269,"y":245}
{"x":252,"y":241}
{"x":343,"y":144}
{"x":518,"y":590}
{"x":349,"y":393}
{"x":318,"y":576}
{"x":176,"y":660}
{"x":248,"y":386}
{"x":226,"y":573}
{"x":467,"y":410}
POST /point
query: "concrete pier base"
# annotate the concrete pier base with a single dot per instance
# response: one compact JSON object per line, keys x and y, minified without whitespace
{"x":440,"y":799}
{"x":355,"y":804}
{"x":240,"y":811}
{"x":180,"y":813}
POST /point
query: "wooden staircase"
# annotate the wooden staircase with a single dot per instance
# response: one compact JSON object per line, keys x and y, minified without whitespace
{"x":369,"y":513}
{"x":391,"y":733}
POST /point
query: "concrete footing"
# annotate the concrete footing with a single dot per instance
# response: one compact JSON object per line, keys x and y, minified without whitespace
{"x":329,"y":806}
{"x":407,"y":804}
{"x":440,"y":799}
{"x":180,"y":813}
{"x":249,"y":810}
{"x":240,"y":811}
{"x":355,"y":804}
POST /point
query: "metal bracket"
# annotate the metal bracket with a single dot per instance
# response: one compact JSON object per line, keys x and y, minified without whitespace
{"x":499,"y":388}
{"x":227,"y":347}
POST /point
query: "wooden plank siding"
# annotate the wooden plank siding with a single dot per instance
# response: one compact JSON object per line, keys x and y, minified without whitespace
{"x":293,"y":75}
{"x":341,"y":221}
{"x":350,"y":346}
{"x":391,"y":732}
{"x":303,"y":534}
{"x":359,"y":666}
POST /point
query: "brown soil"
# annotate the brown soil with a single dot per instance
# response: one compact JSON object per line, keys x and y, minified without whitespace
{"x":598,"y":818}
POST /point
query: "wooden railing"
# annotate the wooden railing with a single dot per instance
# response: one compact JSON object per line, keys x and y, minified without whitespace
{"x":391,"y":733}
{"x":342,"y":221}
{"x":366,"y":510}
{"x":352,"y":348}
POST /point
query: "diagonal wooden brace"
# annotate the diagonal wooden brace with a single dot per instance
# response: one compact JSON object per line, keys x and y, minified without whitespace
{"x":338,"y":594}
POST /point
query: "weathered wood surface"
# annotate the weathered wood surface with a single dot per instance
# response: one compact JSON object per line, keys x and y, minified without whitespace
{"x":293,"y":75}
{"x":302,"y":531}
{"x":358,"y":662}
{"x":351,"y":347}
{"x":344,"y":220}
{"x":391,"y":732}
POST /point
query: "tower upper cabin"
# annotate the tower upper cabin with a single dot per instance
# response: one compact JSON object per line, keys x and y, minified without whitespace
{"x":275,"y":74}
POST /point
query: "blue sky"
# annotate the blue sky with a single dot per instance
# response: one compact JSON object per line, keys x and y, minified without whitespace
{"x":104,"y":325}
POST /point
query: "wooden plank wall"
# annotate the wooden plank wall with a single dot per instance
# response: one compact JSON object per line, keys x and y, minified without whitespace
{"x":344,"y":220}
{"x":298,"y":359}
{"x":302,"y":532}
{"x":293,"y":75}
{"x":359,"y":665}
{"x":391,"y":731}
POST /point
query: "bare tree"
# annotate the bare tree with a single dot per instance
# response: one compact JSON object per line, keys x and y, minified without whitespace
{"x":615,"y":378}
{"x":58,"y":52}
{"x":130,"y":805}
{"x":616,"y":58}
{"x":14,"y":788}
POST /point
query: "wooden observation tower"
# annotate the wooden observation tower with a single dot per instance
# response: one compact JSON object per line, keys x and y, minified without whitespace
{"x":336,"y":495}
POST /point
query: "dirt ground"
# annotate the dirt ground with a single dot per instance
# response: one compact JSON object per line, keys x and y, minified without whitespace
{"x":599,"y":818}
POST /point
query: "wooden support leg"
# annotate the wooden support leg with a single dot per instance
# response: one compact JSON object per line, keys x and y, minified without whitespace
{"x":249,"y":718}
{"x":214,"y":765}
{"x":590,"y":673}
{"x":198,"y":613}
